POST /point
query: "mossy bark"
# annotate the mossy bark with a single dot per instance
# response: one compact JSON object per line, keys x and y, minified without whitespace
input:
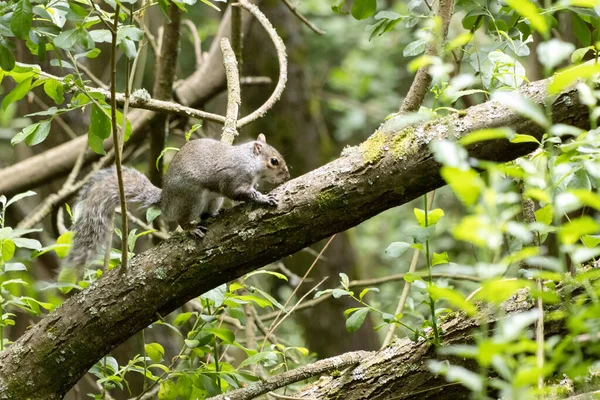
{"x":55,"y":353}
{"x":400,"y":370}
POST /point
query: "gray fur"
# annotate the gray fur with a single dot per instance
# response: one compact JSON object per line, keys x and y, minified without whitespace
{"x":99,"y":198}
{"x":201,"y":173}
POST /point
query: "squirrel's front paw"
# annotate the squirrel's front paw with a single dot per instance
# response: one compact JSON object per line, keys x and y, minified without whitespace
{"x":271,"y":200}
{"x":199,"y":231}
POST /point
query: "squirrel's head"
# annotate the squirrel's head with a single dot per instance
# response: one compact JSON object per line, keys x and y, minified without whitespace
{"x":275,"y":169}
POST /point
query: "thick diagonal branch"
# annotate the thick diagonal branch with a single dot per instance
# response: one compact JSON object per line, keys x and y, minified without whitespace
{"x":392,"y":167}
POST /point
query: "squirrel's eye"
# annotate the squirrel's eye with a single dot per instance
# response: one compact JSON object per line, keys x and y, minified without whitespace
{"x":274,"y":161}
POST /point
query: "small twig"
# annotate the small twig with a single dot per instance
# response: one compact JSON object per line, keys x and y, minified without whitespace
{"x":370,"y":282}
{"x":284,"y":397}
{"x":294,"y":307}
{"x":136,"y":221}
{"x":281,"y":56}
{"x":196,"y":39}
{"x":149,"y":36}
{"x":233,"y":92}
{"x":406,"y":289}
{"x":90,"y":75}
{"x":302,"y":18}
{"x":299,"y":374}
{"x":271,"y":329}
{"x":117,"y":141}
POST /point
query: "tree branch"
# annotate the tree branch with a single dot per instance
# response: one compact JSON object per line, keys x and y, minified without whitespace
{"x":418,"y":90}
{"x":392,"y":167}
{"x":403,"y":364}
{"x":296,"y":375}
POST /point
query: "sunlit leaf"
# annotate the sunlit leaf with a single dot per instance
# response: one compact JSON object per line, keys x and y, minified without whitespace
{"x":528,"y":10}
{"x":570,"y":232}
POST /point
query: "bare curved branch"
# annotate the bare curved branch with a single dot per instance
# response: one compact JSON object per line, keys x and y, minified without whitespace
{"x":281,"y":56}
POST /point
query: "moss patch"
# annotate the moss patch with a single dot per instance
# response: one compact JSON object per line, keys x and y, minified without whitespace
{"x":372,"y":148}
{"x":402,"y":142}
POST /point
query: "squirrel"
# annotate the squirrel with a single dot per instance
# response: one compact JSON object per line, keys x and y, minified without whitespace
{"x":201,"y":174}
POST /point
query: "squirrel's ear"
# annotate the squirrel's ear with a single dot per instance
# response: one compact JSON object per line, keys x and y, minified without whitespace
{"x":258,"y":147}
{"x":262,"y":138}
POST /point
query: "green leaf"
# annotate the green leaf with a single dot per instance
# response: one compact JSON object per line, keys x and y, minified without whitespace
{"x":182,"y":318}
{"x":337,"y":6}
{"x":344,"y":280}
{"x":355,"y":321}
{"x":440,"y":259}
{"x":100,"y":128}
{"x":224,"y":334}
{"x":586,"y":197}
{"x":578,"y":54}
{"x":568,"y":76}
{"x":581,"y":31}
{"x":367,"y":290}
{"x":487,"y":134}
{"x":155,"y":351}
{"x":7,"y":59}
{"x":396,"y":249}
{"x":498,"y":291}
{"x":24,"y":134}
{"x":522,"y":105}
{"x":259,"y":358}
{"x":27,"y":243}
{"x":433,"y":216}
{"x":167,"y":390}
{"x":262,"y":303}
{"x":17,"y":93}
{"x":22,"y":18}
{"x":265,"y":272}
{"x":521,"y":138}
{"x":66,"y":39}
{"x":467,"y":185}
{"x":64,"y":239}
{"x":453,"y":297}
{"x":20,"y":196}
{"x":185,"y":387}
{"x":410,"y":277}
{"x":152,"y":213}
{"x":545,"y":214}
{"x":362,"y":9}
{"x":54,"y":89}
{"x":8,"y":249}
{"x":40,"y":134}
{"x":415,"y":48}
{"x":570,"y":232}
{"x":528,"y":10}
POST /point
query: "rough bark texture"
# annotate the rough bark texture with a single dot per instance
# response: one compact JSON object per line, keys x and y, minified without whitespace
{"x":392,"y":167}
{"x":400,"y":371}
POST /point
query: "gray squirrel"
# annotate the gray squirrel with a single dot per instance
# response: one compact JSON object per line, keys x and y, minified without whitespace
{"x":201,"y":174}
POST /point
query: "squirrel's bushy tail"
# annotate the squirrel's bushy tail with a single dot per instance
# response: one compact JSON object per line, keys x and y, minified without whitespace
{"x":98,"y":199}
